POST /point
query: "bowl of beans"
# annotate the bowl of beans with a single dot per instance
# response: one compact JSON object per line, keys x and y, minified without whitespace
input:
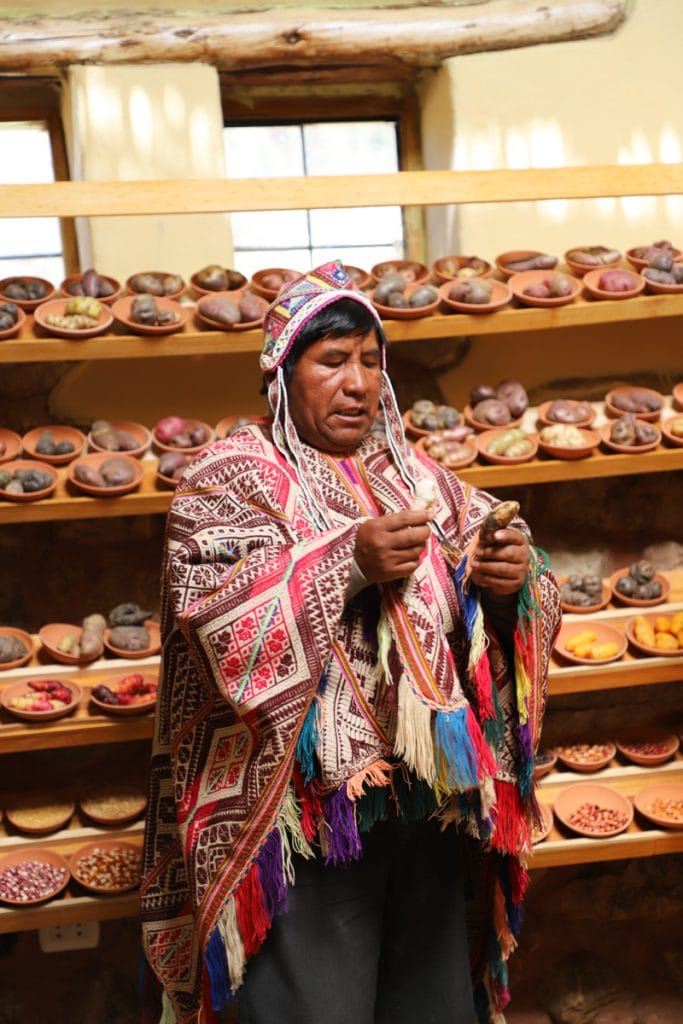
{"x":544,"y":762}
{"x":662,"y":804}
{"x":32,"y":875}
{"x":114,"y":805}
{"x":107,"y":866}
{"x":542,"y":830}
{"x":647,"y":745}
{"x":586,"y":757}
{"x":593,"y":810}
{"x":39,"y":814}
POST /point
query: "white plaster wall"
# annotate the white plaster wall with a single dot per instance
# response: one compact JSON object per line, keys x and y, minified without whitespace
{"x":611,"y":100}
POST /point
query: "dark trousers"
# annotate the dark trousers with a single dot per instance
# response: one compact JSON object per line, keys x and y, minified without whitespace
{"x":382,"y":941}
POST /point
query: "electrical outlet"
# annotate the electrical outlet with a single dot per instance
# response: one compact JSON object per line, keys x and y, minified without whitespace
{"x":60,"y":937}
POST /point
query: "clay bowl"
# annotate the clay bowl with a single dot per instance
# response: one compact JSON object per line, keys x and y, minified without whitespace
{"x":46,"y":856}
{"x":201,"y":290}
{"x":167,"y":482}
{"x":20,"y":688}
{"x":591,"y":282}
{"x":266,"y":291}
{"x":234,"y":296}
{"x":95,"y":461}
{"x":28,"y":802}
{"x":580,"y":609}
{"x":122,"y":308}
{"x":519,"y":282}
{"x":409,"y":312}
{"x":58,"y":307}
{"x":77,"y":279}
{"x":547,"y":421}
{"x":415,"y":431}
{"x":573,"y":757}
{"x":666,"y":428}
{"x":627,"y":449}
{"x":500,"y":296}
{"x":130,"y":709}
{"x":661,"y":791}
{"x":545,"y":766}
{"x":539,"y":834}
{"x":591,"y":440}
{"x":11,"y":332}
{"x":27,"y":641}
{"x":44,"y":492}
{"x":483,"y":440}
{"x":603,"y":634}
{"x":194,"y":449}
{"x":661,"y":287}
{"x":104,"y":845}
{"x":650,"y":416}
{"x":506,"y":258}
{"x":10,"y":443}
{"x":224,"y":426}
{"x":569,"y":800}
{"x":100,"y":806}
{"x":638,"y":263}
{"x":413,"y":271}
{"x":467,"y":460}
{"x":645,"y":648}
{"x":154,"y":646}
{"x":30,"y":440}
{"x":137,"y":431}
{"x":26,"y":304}
{"x":581,"y":269}
{"x":448,"y":268}
{"x":360,"y":278}
{"x":630,"y":741}
{"x":481,"y":425}
{"x":157,"y":273}
{"x":639,"y":602}
{"x":677,"y":393}
{"x":50,"y":636}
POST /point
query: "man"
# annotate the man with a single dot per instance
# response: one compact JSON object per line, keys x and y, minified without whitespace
{"x":345,"y":674}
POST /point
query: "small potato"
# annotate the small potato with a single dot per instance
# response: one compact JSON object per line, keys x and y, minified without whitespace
{"x":273,"y":281}
{"x":116,"y":472}
{"x":88,"y":475}
{"x":604,"y":650}
{"x":583,"y":637}
{"x":252,"y":307}
{"x":677,"y":622}
{"x":666,"y":642}
{"x":663,"y":624}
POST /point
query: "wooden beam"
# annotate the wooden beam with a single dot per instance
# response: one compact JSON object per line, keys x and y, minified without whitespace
{"x":416,"y":36}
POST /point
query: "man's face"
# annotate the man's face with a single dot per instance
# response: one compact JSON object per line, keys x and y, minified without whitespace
{"x":334,"y":391}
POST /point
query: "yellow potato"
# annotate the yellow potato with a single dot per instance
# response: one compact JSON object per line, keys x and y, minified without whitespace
{"x":604,"y":650}
{"x":677,"y":622}
{"x":643,"y":631}
{"x":586,"y":636}
{"x":666,"y":642}
{"x":662,"y":624}
{"x":679,"y":637}
{"x":584,"y":650}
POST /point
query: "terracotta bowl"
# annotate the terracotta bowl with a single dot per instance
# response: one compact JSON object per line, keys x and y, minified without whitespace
{"x":50,"y":636}
{"x":77,"y":278}
{"x":666,"y":428}
{"x":122,"y":309}
{"x":650,"y":416}
{"x":645,"y":648}
{"x":30,"y":440}
{"x":591,"y":440}
{"x":409,"y":312}
{"x":20,"y":688}
{"x":10,"y":442}
{"x":481,"y":425}
{"x":627,"y":449}
{"x":581,"y":269}
{"x":105,"y":845}
{"x":256,"y":283}
{"x":361,"y":278}
{"x":224,"y":426}
{"x":543,"y":409}
{"x":415,"y":431}
{"x":166,"y":483}
{"x":538,"y":835}
{"x":569,"y":800}
{"x":60,"y":817}
{"x":573,"y":757}
{"x":591,"y":283}
{"x":235,"y":296}
{"x":201,"y":290}
{"x":95,"y":460}
{"x":44,"y":492}
{"x":467,"y":460}
{"x":26,"y":304}
{"x":661,"y":287}
{"x":580,"y":609}
{"x":46,"y":856}
{"x":638,"y":602}
{"x":646,"y":798}
{"x":677,"y":394}
{"x":11,"y":332}
{"x":505,"y":258}
{"x":603,"y":634}
{"x":484,"y":439}
{"x":154,"y":645}
{"x":100,"y":805}
{"x":519,"y":282}
{"x":158,"y":273}
{"x":58,"y":308}
{"x":447,"y":268}
{"x":413,"y":271}
{"x":631,"y":741}
{"x":129,"y":709}
{"x":139,"y":432}
{"x":544,"y":767}
{"x":27,"y":641}
{"x":638,"y":263}
{"x":500,"y":296}
{"x":163,"y":447}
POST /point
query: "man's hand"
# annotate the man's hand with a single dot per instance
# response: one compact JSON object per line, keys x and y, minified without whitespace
{"x":389,"y":548}
{"x":502,"y":567}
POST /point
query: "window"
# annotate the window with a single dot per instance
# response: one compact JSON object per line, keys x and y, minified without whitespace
{"x":300,"y":239}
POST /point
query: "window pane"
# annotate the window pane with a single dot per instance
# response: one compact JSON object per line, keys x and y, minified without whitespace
{"x":364,"y":258}
{"x":351,"y":147}
{"x":262,"y":259}
{"x":263,"y":151}
{"x":264,"y":230}
{"x":374,"y":225}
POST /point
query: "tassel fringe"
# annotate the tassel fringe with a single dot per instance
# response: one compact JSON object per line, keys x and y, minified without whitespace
{"x":376,"y":774}
{"x":463,"y":756}
{"x":414,"y":743}
{"x":343,"y":840}
{"x":167,"y":1014}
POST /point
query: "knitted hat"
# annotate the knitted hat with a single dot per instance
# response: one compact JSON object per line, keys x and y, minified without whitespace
{"x":298,"y":302}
